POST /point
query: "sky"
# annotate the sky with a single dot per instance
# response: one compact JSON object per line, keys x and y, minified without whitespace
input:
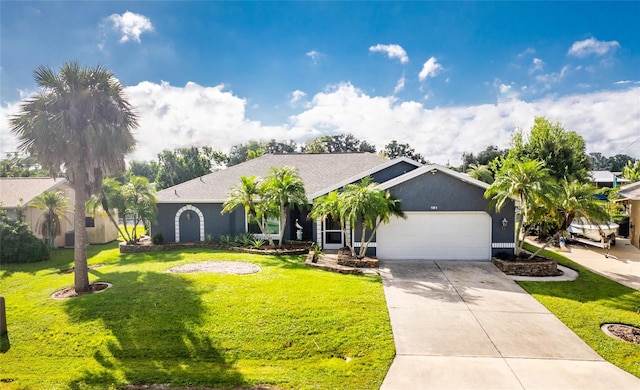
{"x":444,"y":77}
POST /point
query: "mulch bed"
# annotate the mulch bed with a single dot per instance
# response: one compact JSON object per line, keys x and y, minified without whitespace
{"x":628,"y":333}
{"x":70,"y":292}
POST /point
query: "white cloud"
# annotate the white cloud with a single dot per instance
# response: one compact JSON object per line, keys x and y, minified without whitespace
{"x":393,"y":51}
{"x":528,"y":51}
{"x":430,"y":69}
{"x":314,"y":55}
{"x":399,"y":85}
{"x":179,"y":116}
{"x":130,"y":25}
{"x":537,"y":65}
{"x":296,"y":97}
{"x":592,"y":46}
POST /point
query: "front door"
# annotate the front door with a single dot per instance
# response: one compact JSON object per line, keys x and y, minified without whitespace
{"x":332,"y":237}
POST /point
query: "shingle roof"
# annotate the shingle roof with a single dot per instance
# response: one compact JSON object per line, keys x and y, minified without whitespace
{"x":317,"y":171}
{"x":16,"y":191}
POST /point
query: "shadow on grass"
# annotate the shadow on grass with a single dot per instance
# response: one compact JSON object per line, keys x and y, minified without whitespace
{"x":589,"y":287}
{"x":154,"y":334}
{"x":5,"y":345}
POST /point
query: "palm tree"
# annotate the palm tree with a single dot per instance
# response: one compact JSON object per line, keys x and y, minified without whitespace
{"x":140,"y":203}
{"x":364,"y":203}
{"x":55,"y":207}
{"x":249,"y":195}
{"x":329,"y":206}
{"x":480,"y":172}
{"x":284,"y":187}
{"x":81,"y":122}
{"x":530,"y":184}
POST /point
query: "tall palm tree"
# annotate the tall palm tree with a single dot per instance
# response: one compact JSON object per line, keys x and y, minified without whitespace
{"x":249,"y":195}
{"x":55,"y":208}
{"x":363,"y":203}
{"x":79,"y":122}
{"x":284,"y":187}
{"x":530,"y":184}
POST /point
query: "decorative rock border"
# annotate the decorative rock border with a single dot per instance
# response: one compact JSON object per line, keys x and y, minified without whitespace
{"x":534,"y":267}
{"x":633,"y":332}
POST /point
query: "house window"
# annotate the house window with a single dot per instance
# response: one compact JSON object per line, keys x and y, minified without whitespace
{"x":272,"y":227}
{"x":89,"y":222}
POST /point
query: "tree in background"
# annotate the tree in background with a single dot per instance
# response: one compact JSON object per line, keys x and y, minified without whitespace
{"x":394,"y":150}
{"x":243,"y":152}
{"x":284,"y":187}
{"x":15,"y":165}
{"x":600,"y":162}
{"x":81,"y":121}
{"x":563,"y":152}
{"x":484,"y":157}
{"x":142,"y":168}
{"x":54,"y":206}
{"x":338,"y":144}
{"x":181,"y":165}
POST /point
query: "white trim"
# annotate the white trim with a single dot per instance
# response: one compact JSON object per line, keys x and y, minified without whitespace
{"x":364,"y":174}
{"x":371,"y":244}
{"x":502,"y":245}
{"x":274,"y":236}
{"x":319,"y":239}
{"x":177,"y":221}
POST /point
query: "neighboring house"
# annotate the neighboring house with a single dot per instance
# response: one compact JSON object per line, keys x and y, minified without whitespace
{"x":447,"y":214}
{"x":607,"y":179}
{"x":17,"y":193}
{"x":631,"y":195}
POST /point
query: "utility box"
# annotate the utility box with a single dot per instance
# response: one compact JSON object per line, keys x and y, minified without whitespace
{"x":3,"y":317}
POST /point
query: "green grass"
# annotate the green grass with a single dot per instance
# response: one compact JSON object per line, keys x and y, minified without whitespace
{"x":288,"y":326}
{"x":587,"y":303}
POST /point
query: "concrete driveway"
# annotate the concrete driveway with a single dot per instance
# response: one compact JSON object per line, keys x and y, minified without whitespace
{"x":465,"y":325}
{"x":622,"y":264}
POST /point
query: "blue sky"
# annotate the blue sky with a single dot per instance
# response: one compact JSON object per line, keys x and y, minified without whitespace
{"x":446,"y":77}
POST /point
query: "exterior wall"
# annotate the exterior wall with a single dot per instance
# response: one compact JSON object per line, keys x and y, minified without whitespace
{"x":442,"y":192}
{"x":634,"y":219}
{"x":215,"y":223}
{"x":104,"y":230}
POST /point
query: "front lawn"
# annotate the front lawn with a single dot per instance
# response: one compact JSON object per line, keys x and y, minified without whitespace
{"x":587,"y":303}
{"x":287,"y":326}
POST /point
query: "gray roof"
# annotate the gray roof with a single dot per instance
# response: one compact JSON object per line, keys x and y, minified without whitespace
{"x":317,"y":171}
{"x":606,"y":177}
{"x":18,"y":191}
{"x":631,"y":191}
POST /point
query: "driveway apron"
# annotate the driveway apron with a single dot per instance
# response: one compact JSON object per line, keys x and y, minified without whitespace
{"x":465,"y":325}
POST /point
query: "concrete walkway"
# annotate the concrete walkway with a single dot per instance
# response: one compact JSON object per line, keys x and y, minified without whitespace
{"x":622,"y":264}
{"x":465,"y":325}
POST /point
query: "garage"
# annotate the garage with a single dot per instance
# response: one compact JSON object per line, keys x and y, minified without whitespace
{"x":462,"y":235}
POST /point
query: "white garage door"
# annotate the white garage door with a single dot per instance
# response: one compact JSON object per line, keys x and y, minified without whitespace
{"x":436,"y":236}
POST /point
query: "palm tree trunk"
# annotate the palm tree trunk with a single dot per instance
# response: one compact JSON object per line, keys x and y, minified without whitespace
{"x":81,"y":270}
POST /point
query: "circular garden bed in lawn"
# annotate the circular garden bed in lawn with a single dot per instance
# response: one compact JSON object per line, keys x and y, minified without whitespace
{"x":220,"y":267}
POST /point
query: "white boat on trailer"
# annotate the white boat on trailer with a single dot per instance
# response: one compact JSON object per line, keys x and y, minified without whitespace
{"x":600,"y":235}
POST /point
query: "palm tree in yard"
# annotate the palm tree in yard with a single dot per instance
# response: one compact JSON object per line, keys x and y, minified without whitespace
{"x":249,"y":195}
{"x":369,"y":206}
{"x":55,"y":207}
{"x":284,"y":187}
{"x":79,"y":122}
{"x":530,"y":184}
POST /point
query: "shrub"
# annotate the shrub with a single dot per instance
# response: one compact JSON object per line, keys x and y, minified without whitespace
{"x":245,"y":240}
{"x":257,"y":243}
{"x":18,"y":244}
{"x":226,"y":241}
{"x":157,"y":239}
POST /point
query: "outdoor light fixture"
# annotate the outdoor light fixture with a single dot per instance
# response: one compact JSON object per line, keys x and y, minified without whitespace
{"x":188,"y":216}
{"x":505,"y":222}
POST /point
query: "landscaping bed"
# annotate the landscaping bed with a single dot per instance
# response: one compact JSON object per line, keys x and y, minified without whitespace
{"x":537,"y":266}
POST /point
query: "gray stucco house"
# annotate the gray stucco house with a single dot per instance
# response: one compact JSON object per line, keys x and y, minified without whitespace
{"x":447,"y":214}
